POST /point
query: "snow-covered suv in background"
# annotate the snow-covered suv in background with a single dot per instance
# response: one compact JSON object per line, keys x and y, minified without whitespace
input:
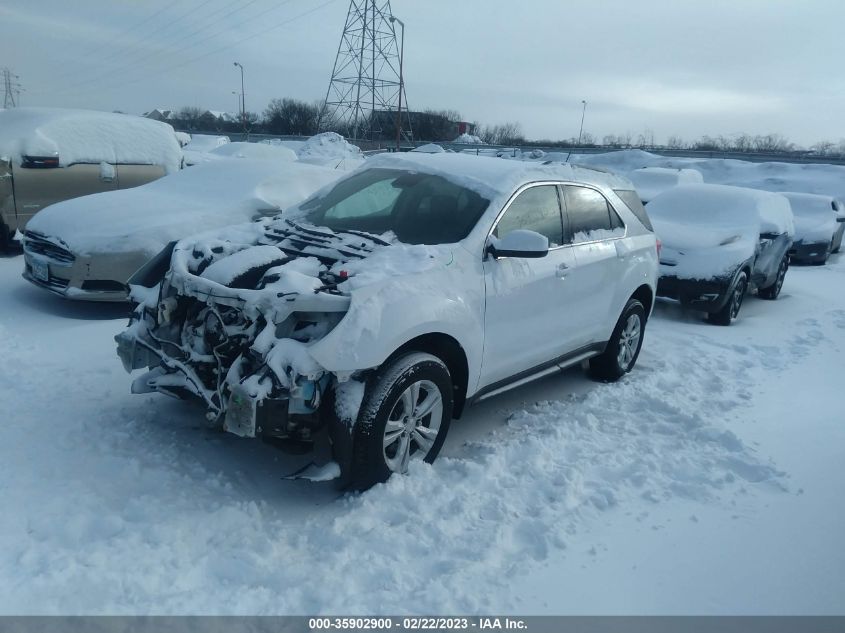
{"x":378,"y":309}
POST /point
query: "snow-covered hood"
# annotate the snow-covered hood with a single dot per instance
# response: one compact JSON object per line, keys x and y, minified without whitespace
{"x":207,"y":196}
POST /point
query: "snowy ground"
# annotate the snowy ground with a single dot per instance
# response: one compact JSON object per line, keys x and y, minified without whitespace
{"x":708,"y":481}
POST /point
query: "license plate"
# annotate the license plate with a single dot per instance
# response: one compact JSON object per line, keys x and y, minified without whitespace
{"x":40,"y":269}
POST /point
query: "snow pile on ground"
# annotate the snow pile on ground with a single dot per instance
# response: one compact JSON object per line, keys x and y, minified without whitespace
{"x":429,"y":148}
{"x":330,"y":145}
{"x":815,"y":219}
{"x":87,"y":136}
{"x":469,"y":139}
{"x":588,"y":498}
{"x":206,"y":142}
{"x":211,"y":195}
{"x":259,"y":151}
{"x":650,"y":181}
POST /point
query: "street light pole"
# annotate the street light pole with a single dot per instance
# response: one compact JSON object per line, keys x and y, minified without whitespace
{"x":401,"y":82}
{"x":243,"y":101}
{"x":583,"y":111}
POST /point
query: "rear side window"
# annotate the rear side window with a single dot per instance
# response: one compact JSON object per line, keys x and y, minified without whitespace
{"x":535,"y":209}
{"x":590,"y":215}
{"x":633,"y":202}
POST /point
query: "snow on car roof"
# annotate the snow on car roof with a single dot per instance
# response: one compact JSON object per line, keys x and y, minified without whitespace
{"x":209,"y":195}
{"x":810,"y":204}
{"x":492,"y":177}
{"x":650,"y":181}
{"x":815,"y":217}
{"x":88,"y":136}
{"x":723,"y":205}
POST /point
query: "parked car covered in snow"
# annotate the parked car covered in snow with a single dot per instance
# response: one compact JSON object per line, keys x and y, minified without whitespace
{"x":374,"y":312}
{"x":719,"y":242}
{"x":49,"y":154}
{"x":819,"y":224}
{"x":651,"y":181}
{"x":87,"y":248}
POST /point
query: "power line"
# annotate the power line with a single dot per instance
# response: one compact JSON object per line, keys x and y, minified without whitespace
{"x":129,"y":54}
{"x":227,"y":46}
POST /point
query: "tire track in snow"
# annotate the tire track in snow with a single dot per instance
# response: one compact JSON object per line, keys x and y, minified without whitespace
{"x":154,"y":526}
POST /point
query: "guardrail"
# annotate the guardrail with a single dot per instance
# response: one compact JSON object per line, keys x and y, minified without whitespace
{"x":370,"y":146}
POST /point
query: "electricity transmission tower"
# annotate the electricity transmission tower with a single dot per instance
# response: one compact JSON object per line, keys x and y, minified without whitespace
{"x":363,"y":96}
{"x":12,"y":89}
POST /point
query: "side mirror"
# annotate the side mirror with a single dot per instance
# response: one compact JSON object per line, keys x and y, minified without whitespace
{"x":519,"y":243}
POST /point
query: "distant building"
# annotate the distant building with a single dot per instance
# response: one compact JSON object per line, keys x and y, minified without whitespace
{"x":160,"y":114}
{"x":425,"y":126}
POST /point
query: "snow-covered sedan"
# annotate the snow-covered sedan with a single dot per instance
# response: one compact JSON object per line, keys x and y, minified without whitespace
{"x":719,"y":242}
{"x":819,"y":224}
{"x":378,"y":309}
{"x":87,"y":248}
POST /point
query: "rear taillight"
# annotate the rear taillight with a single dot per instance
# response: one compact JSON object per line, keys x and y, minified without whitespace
{"x":659,"y":246}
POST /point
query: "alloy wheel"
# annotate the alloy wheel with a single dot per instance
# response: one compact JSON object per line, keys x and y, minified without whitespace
{"x":629,"y":340}
{"x":412,"y":425}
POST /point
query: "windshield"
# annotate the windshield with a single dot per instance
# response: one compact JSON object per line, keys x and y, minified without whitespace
{"x":418,"y":208}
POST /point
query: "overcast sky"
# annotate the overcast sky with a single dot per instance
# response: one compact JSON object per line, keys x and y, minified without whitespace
{"x":669,"y":66}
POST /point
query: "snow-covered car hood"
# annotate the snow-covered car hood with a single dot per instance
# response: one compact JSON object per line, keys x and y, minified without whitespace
{"x":207,"y":196}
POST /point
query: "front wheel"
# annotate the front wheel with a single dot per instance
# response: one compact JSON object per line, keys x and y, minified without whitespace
{"x":624,"y":345}
{"x":731,"y":309}
{"x":405,"y":415}
{"x":772,"y":292}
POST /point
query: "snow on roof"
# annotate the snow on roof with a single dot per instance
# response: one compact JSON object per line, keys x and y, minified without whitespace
{"x":208,"y":196}
{"x":88,"y":136}
{"x":650,"y":181}
{"x":722,"y":206}
{"x":491,"y":177}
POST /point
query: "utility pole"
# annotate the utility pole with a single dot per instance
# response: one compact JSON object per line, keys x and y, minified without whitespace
{"x":365,"y":87}
{"x":393,"y":19}
{"x":581,"y":129}
{"x":243,"y":101}
{"x":12,"y":89}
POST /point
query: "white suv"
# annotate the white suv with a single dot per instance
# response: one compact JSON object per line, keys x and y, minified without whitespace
{"x":374,"y":312}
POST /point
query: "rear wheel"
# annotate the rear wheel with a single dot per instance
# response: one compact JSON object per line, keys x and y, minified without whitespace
{"x":772,"y":292}
{"x":731,"y":309}
{"x":405,"y":415}
{"x":624,"y":345}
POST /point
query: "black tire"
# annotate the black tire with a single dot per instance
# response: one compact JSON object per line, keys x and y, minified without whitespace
{"x":387,"y":392}
{"x":732,"y":306}
{"x":5,"y":239}
{"x":773,"y":291}
{"x":621,"y":353}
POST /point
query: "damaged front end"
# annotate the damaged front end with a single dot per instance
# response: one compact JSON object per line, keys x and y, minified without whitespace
{"x":231,"y":323}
